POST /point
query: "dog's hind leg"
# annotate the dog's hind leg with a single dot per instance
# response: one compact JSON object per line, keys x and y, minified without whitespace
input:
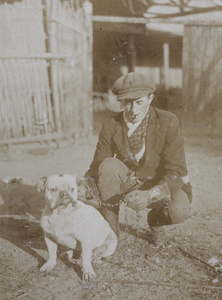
{"x":69,"y":254}
{"x":69,"y":242}
{"x":52,"y":250}
{"x":109,"y":246}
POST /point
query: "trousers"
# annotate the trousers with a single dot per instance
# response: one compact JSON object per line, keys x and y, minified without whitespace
{"x":115,"y":179}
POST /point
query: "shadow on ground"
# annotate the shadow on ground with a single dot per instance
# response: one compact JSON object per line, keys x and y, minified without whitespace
{"x":20,"y":212}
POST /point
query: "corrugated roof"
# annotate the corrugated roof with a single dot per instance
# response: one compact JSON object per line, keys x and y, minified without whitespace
{"x":176,"y":25}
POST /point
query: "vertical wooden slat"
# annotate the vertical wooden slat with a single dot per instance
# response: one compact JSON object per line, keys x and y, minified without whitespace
{"x":20,"y":101}
{"x":166,"y":64}
{"x":90,"y":67}
{"x":48,"y":97}
{"x":42,"y":121}
{"x":53,"y":49}
{"x":4,"y":99}
{"x":10,"y":78}
{"x":25,"y":96}
{"x":27,"y":69}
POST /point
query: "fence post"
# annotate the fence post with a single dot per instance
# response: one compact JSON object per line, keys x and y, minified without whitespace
{"x":51,"y":7}
{"x":88,"y":12}
{"x":166,"y":59}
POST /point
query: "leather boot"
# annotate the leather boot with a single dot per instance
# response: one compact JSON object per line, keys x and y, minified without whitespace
{"x":111,"y":215}
{"x":159,"y":217}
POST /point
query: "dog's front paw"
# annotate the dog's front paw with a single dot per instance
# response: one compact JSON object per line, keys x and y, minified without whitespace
{"x":88,"y":274}
{"x":48,"y":266}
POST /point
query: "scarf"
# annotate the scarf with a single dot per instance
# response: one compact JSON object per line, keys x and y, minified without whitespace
{"x":136,"y":141}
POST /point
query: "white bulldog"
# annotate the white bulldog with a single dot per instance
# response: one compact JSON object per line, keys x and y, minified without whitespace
{"x":66,"y":220}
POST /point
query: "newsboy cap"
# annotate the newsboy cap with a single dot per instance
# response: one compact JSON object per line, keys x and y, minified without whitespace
{"x":133,"y":86}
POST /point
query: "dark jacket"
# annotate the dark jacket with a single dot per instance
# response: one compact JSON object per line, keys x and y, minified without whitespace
{"x":164,"y":158}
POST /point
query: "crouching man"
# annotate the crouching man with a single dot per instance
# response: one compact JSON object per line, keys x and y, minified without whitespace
{"x":140,"y":154}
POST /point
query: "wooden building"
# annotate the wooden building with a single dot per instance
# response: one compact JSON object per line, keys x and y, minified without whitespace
{"x":124,"y":44}
{"x":123,"y":41}
{"x":186,"y":66}
{"x":45,"y":70}
{"x":202,"y":70}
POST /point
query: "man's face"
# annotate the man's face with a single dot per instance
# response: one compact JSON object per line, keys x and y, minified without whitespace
{"x":135,"y":109}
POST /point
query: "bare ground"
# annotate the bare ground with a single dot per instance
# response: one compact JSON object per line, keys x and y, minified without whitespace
{"x":188,"y":265}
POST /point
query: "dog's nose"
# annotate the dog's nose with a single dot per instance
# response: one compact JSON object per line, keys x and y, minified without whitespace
{"x":64,"y":194}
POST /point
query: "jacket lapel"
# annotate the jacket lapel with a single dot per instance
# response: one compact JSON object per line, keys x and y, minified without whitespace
{"x":118,"y":136}
{"x":152,"y":133}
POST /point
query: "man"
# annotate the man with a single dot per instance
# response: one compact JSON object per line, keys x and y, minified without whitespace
{"x":140,"y":156}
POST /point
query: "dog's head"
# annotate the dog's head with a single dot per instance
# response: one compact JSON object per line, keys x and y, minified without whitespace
{"x":59,"y":190}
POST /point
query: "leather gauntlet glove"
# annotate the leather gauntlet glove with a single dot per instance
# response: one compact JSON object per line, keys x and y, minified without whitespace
{"x":156,"y":197}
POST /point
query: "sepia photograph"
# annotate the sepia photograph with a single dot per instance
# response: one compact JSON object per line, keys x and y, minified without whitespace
{"x":110,"y":149}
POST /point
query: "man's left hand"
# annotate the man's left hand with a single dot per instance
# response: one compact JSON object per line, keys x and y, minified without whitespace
{"x":137,"y":200}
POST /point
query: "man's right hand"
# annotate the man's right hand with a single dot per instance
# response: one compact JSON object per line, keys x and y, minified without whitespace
{"x":137,"y":200}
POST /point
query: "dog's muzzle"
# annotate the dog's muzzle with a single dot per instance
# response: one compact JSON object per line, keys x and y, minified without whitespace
{"x":64,"y":195}
{"x":63,"y":199}
{"x":66,"y":198}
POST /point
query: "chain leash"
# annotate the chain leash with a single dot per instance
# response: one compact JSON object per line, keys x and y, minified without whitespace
{"x":137,"y":225}
{"x":97,"y":199}
{"x":123,"y":200}
{"x":137,"y":185}
{"x":126,"y":219}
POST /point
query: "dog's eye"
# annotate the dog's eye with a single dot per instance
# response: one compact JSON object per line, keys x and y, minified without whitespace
{"x":72,"y":190}
{"x":53,"y":190}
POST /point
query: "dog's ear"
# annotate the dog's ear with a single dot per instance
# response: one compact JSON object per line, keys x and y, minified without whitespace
{"x":42,"y":183}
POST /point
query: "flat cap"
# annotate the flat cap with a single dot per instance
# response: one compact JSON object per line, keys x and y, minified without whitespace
{"x":133,"y":86}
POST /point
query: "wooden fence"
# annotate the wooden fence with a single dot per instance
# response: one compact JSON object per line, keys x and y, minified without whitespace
{"x":45,"y":70}
{"x":202,"y":89}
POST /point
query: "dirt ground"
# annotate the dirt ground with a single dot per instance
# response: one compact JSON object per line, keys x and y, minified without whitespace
{"x":187,"y":265}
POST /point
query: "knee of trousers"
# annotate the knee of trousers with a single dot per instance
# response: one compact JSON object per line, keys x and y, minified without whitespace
{"x":179,"y":208}
{"x":111,"y":166}
{"x":110,"y":176}
{"x":177,"y":212}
